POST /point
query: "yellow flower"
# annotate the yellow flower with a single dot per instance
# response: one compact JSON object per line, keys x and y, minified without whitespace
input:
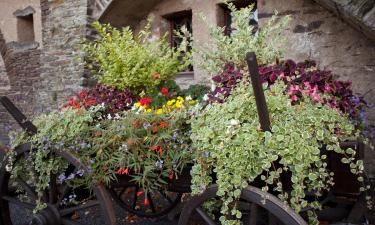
{"x":179,"y":105}
{"x":171,"y":102}
{"x":159,"y":111}
{"x":137,"y":104}
{"x":149,"y":110}
{"x":180,"y":98}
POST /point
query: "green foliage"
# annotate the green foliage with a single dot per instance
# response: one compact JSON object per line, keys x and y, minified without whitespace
{"x":196,"y":91}
{"x":223,"y":49}
{"x":229,"y":143}
{"x":151,"y":148}
{"x":137,"y":63}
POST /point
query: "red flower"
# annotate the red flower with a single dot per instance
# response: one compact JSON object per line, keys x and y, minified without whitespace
{"x":139,"y":193}
{"x":163,"y":125}
{"x":82,"y":94}
{"x":155,"y":148}
{"x":123,"y":171}
{"x":120,"y":171}
{"x":160,"y":151}
{"x":155,"y":130}
{"x":146,"y":202}
{"x":145,"y":101}
{"x":171,"y":176}
{"x":164,"y":91}
{"x":90,"y":102}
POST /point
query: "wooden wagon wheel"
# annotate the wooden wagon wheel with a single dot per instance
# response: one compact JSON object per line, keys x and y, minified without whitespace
{"x":24,"y":198}
{"x":131,"y":198}
{"x":257,"y":208}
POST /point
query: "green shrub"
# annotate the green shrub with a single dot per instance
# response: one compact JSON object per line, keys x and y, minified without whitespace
{"x":135,"y":62}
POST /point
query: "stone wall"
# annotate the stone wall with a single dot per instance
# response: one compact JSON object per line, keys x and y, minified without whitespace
{"x":62,"y":72}
{"x":22,"y":63}
{"x":316,"y":33}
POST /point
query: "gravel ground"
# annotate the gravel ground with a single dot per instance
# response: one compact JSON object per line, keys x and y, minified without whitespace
{"x":20,"y":216}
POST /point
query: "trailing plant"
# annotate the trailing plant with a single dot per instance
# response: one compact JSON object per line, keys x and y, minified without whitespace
{"x":223,"y":49}
{"x":229,"y":142}
{"x":149,"y":148}
{"x":135,"y":62}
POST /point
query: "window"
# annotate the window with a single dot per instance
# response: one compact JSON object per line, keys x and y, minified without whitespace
{"x":177,"y":21}
{"x":225,"y":18}
{"x":25,"y":24}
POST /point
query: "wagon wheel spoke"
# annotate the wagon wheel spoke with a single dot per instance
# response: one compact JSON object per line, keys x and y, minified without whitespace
{"x":52,"y":193}
{"x":18,"y":202}
{"x":204,"y":216}
{"x":26,"y":187}
{"x":135,"y":199}
{"x":122,"y":192}
{"x":83,"y":206}
{"x":65,"y":190}
{"x":69,"y":222}
{"x":166,"y":197}
{"x":152,"y":206}
{"x":253,"y":214}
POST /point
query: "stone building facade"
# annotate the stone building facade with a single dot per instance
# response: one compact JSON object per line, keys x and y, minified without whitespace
{"x":40,"y":71}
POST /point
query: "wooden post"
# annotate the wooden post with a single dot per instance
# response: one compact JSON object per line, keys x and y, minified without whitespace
{"x":258,"y":92}
{"x":18,"y":115}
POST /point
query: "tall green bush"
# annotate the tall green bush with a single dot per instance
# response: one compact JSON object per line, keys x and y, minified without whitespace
{"x":223,"y":49}
{"x":137,"y":62}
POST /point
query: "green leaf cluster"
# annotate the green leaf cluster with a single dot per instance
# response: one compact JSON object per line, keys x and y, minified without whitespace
{"x":223,"y":49}
{"x":137,"y":62}
{"x":229,"y":143}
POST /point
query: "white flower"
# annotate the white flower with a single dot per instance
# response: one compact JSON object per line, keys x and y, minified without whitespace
{"x":213,"y":87}
{"x":205,"y":97}
{"x":234,"y":122}
{"x":189,"y":98}
{"x":8,"y":167}
{"x":117,"y":116}
{"x":109,"y":116}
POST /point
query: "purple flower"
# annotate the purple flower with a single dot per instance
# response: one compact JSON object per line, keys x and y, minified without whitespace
{"x":146,"y":125}
{"x":71,"y":176}
{"x":159,"y":164}
{"x":80,"y":172}
{"x":61,"y":179}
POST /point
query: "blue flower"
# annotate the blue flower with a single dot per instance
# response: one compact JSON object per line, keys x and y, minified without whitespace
{"x":80,"y":172}
{"x":159,"y":164}
{"x":146,"y":125}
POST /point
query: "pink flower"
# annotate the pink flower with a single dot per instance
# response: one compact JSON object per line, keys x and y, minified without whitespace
{"x":294,"y":98}
{"x":327,"y":88}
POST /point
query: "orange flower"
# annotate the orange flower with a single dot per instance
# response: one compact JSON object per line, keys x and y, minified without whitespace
{"x":163,"y":125}
{"x":156,"y":76}
{"x":130,"y":142}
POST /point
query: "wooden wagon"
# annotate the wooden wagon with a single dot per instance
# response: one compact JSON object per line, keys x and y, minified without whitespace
{"x":258,"y":207}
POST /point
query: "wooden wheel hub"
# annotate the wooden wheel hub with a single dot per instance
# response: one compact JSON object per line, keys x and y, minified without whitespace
{"x":48,"y":216}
